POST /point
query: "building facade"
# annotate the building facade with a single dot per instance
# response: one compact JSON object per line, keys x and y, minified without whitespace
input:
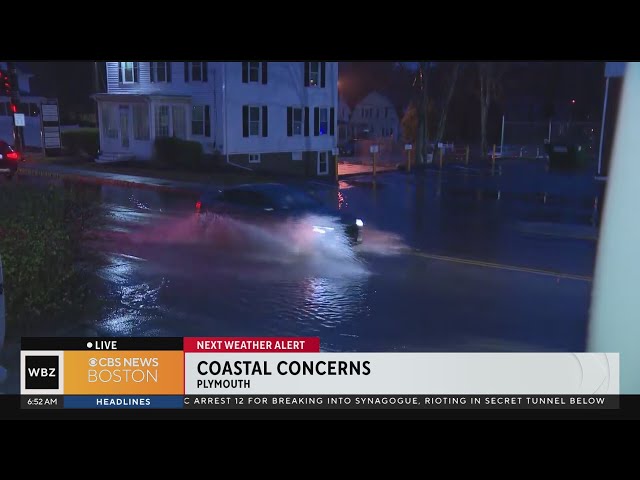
{"x":30,"y":106}
{"x":278,"y":117}
{"x":375,"y":117}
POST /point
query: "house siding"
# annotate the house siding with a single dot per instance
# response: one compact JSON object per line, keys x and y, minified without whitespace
{"x":284,"y":88}
{"x":201,"y":93}
{"x":283,"y":163}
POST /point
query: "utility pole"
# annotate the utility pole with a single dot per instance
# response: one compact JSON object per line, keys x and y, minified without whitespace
{"x":15,"y":105}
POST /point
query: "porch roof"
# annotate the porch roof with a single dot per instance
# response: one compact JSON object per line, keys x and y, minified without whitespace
{"x":138,"y":97}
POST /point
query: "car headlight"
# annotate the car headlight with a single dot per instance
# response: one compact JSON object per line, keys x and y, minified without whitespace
{"x":359,"y":223}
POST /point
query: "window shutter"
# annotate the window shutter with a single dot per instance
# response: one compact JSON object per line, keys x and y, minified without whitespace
{"x":168,"y":64}
{"x":207,"y":122}
{"x":186,"y":71}
{"x":205,"y":71}
{"x":306,"y":74}
{"x":289,"y":121}
{"x":152,"y":75}
{"x":264,"y":73}
{"x":245,"y":120}
{"x":316,"y":121}
{"x":332,"y":118}
{"x":245,"y":72}
{"x":306,"y":121}
{"x":323,"y":73}
{"x":265,"y":121}
{"x":119,"y":72}
{"x":135,"y":71}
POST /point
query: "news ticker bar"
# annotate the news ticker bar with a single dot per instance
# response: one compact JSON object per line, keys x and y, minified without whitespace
{"x":321,"y":402}
{"x":255,"y":366}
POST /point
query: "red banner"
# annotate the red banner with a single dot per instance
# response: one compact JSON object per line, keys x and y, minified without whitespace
{"x":252,"y":344}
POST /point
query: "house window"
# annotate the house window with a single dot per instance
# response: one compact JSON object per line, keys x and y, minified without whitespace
{"x":179,"y":117}
{"x":254,"y":121}
{"x":297,"y":121}
{"x":162,"y":121}
{"x":161,"y":72}
{"x":323,"y":163}
{"x":324,"y":121}
{"x":197,"y":120}
{"x":128,"y":72}
{"x":34,"y":110}
{"x":254,"y":158}
{"x":141,"y":122}
{"x":314,"y":73}
{"x":197,"y":71}
{"x":109,"y":121}
{"x":254,"y":71}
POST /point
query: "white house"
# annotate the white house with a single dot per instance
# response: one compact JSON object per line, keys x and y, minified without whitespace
{"x":375,"y":117}
{"x":344,"y":116}
{"x":272,"y":116}
{"x":29,"y":105}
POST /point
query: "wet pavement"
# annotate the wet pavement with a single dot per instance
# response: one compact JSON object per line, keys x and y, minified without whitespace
{"x":458,"y":260}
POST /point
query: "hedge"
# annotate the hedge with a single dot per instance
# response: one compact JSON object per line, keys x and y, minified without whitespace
{"x":85,"y":142}
{"x":41,"y":232}
{"x":181,"y":154}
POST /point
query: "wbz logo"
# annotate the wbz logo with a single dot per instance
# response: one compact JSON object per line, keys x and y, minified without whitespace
{"x":42,"y":372}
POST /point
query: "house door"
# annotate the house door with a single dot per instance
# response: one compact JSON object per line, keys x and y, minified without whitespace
{"x":124,"y":126}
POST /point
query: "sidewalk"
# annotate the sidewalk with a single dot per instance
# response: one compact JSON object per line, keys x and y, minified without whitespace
{"x":105,"y":178}
{"x":345,"y":169}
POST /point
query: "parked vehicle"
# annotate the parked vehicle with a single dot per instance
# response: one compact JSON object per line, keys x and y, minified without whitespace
{"x":9,"y":158}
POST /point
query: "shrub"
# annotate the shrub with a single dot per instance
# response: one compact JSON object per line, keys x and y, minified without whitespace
{"x":85,"y":142}
{"x":178,"y":153}
{"x":40,"y":236}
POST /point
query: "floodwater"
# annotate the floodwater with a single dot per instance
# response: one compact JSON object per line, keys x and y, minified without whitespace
{"x":459,"y":260}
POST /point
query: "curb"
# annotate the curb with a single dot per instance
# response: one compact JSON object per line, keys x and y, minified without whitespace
{"x":36,"y":172}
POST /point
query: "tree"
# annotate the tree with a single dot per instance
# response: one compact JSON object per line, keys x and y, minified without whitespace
{"x":422,"y":136}
{"x":453,"y":78}
{"x":409,"y":124}
{"x":490,"y":75}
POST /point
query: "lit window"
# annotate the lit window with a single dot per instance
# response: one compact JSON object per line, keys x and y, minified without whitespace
{"x":141,"y":122}
{"x":324,"y":121}
{"x":160,"y":70}
{"x":197,"y":71}
{"x":254,"y":121}
{"x":197,"y":120}
{"x":323,"y":163}
{"x":254,"y":71}
{"x":162,"y":121}
{"x":314,"y":73}
{"x":297,"y":121}
{"x":128,"y":72}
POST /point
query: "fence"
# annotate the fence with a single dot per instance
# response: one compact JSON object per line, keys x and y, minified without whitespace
{"x":528,"y":139}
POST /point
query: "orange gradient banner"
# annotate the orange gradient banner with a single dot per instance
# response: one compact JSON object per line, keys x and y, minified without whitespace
{"x":123,"y":372}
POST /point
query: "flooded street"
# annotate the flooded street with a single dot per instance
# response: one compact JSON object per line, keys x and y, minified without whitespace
{"x":451,"y":261}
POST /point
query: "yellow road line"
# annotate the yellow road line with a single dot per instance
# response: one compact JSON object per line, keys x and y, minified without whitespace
{"x":501,"y":266}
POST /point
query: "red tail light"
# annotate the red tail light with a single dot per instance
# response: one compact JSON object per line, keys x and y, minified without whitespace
{"x":13,"y":156}
{"x":198,"y":205}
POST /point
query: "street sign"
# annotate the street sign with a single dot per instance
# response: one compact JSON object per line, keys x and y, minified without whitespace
{"x":408,"y":146}
{"x":373,"y":149}
{"x":18,"y":118}
{"x":51,"y":128}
